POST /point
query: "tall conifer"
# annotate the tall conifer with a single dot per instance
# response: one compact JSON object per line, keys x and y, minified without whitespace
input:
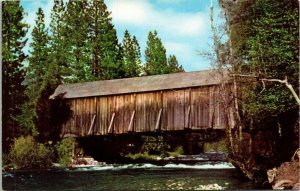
{"x":131,"y":56}
{"x":58,"y":69}
{"x":77,"y":44}
{"x":104,"y":42}
{"x":173,"y":65}
{"x":36,"y":70}
{"x":13,"y":41}
{"x":156,"y":59}
{"x":57,"y":72}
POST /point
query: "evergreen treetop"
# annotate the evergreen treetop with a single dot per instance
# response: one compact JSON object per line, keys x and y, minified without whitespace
{"x":131,"y":56}
{"x":104,"y":42}
{"x":155,"y":53}
{"x":173,"y":65}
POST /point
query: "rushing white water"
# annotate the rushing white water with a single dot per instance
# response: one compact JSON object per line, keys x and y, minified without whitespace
{"x":220,"y":165}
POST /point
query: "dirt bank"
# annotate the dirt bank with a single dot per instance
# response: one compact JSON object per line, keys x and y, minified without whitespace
{"x":286,"y":176}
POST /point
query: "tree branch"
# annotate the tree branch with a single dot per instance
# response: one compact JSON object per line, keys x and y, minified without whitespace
{"x":285,"y":82}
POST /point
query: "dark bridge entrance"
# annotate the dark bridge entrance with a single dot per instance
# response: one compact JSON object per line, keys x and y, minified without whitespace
{"x":115,"y":148}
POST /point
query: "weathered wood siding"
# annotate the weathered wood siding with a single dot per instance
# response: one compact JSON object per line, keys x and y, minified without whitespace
{"x":194,"y":108}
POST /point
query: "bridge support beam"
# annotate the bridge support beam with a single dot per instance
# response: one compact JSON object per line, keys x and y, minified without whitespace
{"x":157,"y":126}
{"x":187,"y":122}
{"x":92,"y":125}
{"x":110,"y":128}
{"x":130,"y":126}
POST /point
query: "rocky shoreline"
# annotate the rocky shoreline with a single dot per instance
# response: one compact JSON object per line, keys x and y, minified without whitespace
{"x":88,"y":161}
{"x":287,"y":175}
{"x":85,"y":162}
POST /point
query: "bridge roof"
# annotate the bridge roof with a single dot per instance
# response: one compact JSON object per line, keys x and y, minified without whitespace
{"x":139,"y":84}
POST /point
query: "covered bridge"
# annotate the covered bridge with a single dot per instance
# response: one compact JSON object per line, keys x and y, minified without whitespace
{"x":168,"y":102}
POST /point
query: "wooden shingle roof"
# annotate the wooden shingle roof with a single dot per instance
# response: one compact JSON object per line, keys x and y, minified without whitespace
{"x":139,"y":84}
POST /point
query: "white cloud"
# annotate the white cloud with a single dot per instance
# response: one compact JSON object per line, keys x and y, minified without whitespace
{"x":178,"y":48}
{"x":142,"y":14}
{"x":130,"y":11}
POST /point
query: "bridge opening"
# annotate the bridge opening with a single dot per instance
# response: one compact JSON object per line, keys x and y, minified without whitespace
{"x":150,"y":147}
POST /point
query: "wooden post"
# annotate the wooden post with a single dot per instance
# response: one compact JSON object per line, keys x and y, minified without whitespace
{"x":189,"y":117}
{"x":92,"y":125}
{"x":190,"y":106}
{"x":157,"y":127}
{"x":130,"y":126}
{"x":110,"y":128}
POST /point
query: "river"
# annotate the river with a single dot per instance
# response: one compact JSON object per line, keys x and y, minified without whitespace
{"x":214,"y":175}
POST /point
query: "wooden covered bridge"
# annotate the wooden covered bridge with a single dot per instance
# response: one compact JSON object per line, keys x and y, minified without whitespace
{"x":168,"y":102}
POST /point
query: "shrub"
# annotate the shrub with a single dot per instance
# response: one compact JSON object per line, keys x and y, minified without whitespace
{"x":142,"y":156}
{"x":155,"y":146}
{"x":219,"y":146}
{"x":26,"y":153}
{"x":65,"y":150}
{"x":178,"y":151}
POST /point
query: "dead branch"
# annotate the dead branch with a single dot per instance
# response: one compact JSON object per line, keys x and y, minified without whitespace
{"x":281,"y":184}
{"x":263,"y":80}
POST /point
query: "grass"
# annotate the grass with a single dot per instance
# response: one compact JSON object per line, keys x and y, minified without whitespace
{"x":178,"y":151}
{"x":147,"y":156}
{"x":142,"y":156}
{"x":219,"y":146}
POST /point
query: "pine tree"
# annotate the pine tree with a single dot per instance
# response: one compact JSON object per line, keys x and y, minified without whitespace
{"x":131,"y":56}
{"x":78,"y":45}
{"x":58,"y":69}
{"x":104,"y":42}
{"x":57,"y":72}
{"x":173,"y":65}
{"x":38,"y":64}
{"x":156,"y":59}
{"x":13,"y":41}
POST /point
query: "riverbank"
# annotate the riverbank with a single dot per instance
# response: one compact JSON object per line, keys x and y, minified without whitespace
{"x":88,"y":161}
{"x":287,"y":175}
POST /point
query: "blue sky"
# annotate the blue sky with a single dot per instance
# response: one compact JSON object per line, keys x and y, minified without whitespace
{"x":182,"y":25}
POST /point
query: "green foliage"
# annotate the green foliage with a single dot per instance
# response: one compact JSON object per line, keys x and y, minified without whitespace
{"x":65,"y":150}
{"x":131,"y":56}
{"x":58,"y":69}
{"x":219,"y":146}
{"x":178,"y":151}
{"x":6,"y":162}
{"x":155,"y":146}
{"x":272,"y":40}
{"x":265,"y":42}
{"x":104,"y":42}
{"x":156,"y":59}
{"x":173,"y":65}
{"x":152,"y":151}
{"x":271,"y":49}
{"x":13,"y":41}
{"x":78,"y":46}
{"x":142,"y":156}
{"x":26,"y":153}
{"x":152,"y":148}
{"x":38,"y":64}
